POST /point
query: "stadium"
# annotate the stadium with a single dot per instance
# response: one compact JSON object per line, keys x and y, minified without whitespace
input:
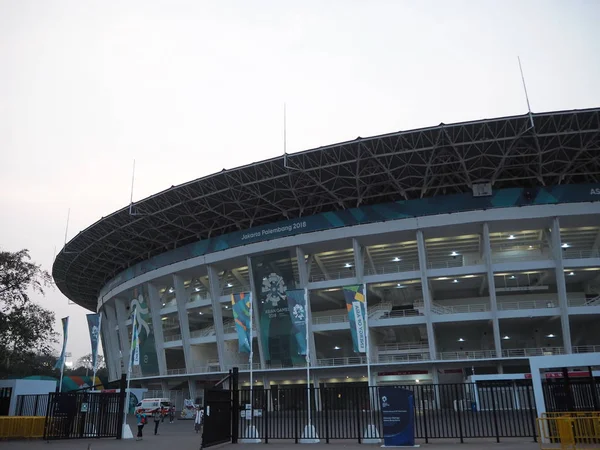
{"x":477,"y":245}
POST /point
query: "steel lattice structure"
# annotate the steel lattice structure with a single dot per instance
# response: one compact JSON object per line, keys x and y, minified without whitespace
{"x":520,"y":151}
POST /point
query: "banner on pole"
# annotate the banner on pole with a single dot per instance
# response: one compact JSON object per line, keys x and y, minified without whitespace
{"x":397,"y":409}
{"x":61,"y":360}
{"x":93,"y":321}
{"x":273,"y":275}
{"x":296,"y":300}
{"x":135,"y":343}
{"x":355,"y":304}
{"x":241,"y":304}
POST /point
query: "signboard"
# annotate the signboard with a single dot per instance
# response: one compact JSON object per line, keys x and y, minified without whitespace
{"x":397,"y":409}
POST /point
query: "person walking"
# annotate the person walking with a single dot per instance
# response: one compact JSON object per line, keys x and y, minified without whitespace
{"x":198,"y":421}
{"x":141,"y":421}
{"x":172,"y":414}
{"x":156,"y":415}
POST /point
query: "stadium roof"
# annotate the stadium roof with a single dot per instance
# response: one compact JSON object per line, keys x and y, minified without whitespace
{"x":561,"y":148}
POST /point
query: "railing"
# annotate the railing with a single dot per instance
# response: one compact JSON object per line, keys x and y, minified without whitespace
{"x":526,"y":352}
{"x":527,"y":304}
{"x":173,"y":337}
{"x":392,"y":268}
{"x":285,"y":366}
{"x":586,"y":349}
{"x":182,"y":371}
{"x":211,"y":368}
{"x":527,"y":257}
{"x":348,"y":273}
{"x":335,"y":318}
{"x":580,"y":254}
{"x":445,"y":264}
{"x":228,"y":329}
{"x":595,"y":301}
{"x":401,"y":313}
{"x":469,"y":354}
{"x":402,"y":347}
{"x":346,"y":361}
{"x":439,"y":309}
{"x":407,"y":357}
{"x":255,"y":366}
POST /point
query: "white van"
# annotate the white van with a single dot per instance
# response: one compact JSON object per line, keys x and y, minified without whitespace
{"x":149,"y":405}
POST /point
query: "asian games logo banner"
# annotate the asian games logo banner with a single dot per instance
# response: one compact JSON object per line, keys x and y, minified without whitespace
{"x":355,"y":304}
{"x":296,"y":300}
{"x":241,"y":306}
{"x":273,"y":275}
{"x":93,"y":321}
{"x":61,"y":361}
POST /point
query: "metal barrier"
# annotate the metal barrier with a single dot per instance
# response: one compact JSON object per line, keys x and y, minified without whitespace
{"x":32,"y":405}
{"x":21,"y":427}
{"x":574,"y":432}
{"x":348,"y":412}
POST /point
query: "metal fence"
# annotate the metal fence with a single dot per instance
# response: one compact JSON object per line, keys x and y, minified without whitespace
{"x":32,"y":405}
{"x":460,"y":411}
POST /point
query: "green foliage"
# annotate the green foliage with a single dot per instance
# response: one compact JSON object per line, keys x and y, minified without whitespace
{"x":26,"y":329}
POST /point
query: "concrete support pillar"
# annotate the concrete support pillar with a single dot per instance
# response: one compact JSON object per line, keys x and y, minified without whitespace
{"x":181,"y":298}
{"x":426,"y":294}
{"x":303,"y":272}
{"x":192,"y":389}
{"x":110,"y":344}
{"x":359,"y":261}
{"x":122,"y":314}
{"x":164,"y":386}
{"x":120,"y":355}
{"x":561,"y":285}
{"x":215,"y":295}
{"x":159,"y":339}
{"x":487,"y":256}
{"x":256,"y":313}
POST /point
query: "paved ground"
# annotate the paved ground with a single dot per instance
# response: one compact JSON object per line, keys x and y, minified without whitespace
{"x":181,"y":436}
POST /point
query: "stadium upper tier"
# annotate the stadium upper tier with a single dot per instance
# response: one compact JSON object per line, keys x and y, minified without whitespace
{"x":546,"y":149}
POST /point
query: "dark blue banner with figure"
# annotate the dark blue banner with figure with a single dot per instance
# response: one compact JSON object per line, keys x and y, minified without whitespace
{"x":397,"y":409}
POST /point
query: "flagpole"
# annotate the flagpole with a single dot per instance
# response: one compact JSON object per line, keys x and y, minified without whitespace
{"x":251,"y":354}
{"x":306,"y":318}
{"x":95,"y":357}
{"x":129,"y":369}
{"x":63,"y":356}
{"x":367,"y":337}
{"x":62,"y":371}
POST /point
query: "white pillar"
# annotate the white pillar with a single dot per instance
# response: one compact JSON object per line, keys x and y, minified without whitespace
{"x":110,"y":344}
{"x":426,"y":294}
{"x":256,"y":313}
{"x":121,"y":317}
{"x":181,"y":298}
{"x":487,"y":255}
{"x":111,"y":322}
{"x":359,"y":261}
{"x":215,"y":296}
{"x":303,"y":273}
{"x":159,"y":339}
{"x":561,"y":285}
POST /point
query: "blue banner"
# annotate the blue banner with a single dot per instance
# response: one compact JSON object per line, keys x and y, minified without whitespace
{"x":241,"y":305}
{"x":397,"y":409}
{"x":93,"y":321}
{"x":61,"y":360}
{"x":355,"y":304}
{"x":296,"y":299}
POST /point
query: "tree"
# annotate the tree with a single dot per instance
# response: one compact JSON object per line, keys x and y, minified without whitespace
{"x":26,"y":329}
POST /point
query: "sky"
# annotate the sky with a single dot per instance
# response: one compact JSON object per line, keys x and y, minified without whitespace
{"x":188,"y":88}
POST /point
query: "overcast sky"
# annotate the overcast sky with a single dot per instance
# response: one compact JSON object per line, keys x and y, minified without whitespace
{"x":187,"y":88}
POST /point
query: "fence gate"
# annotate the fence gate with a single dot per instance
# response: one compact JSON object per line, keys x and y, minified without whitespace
{"x":5,"y":395}
{"x":77,"y":415}
{"x":221,"y":412}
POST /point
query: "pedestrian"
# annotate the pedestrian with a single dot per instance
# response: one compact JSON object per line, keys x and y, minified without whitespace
{"x":141,"y":421}
{"x":199,"y":420}
{"x":156,"y":415}
{"x":172,"y":414}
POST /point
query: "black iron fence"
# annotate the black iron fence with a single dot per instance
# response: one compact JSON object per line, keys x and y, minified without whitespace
{"x":566,"y":394}
{"x":32,"y":405}
{"x":83,"y":415}
{"x":441,"y":411}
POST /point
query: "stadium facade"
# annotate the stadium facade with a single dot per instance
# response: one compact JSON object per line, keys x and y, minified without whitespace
{"x":477,"y":243}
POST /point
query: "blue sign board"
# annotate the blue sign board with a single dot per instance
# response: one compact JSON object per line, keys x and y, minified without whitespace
{"x":397,"y":408}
